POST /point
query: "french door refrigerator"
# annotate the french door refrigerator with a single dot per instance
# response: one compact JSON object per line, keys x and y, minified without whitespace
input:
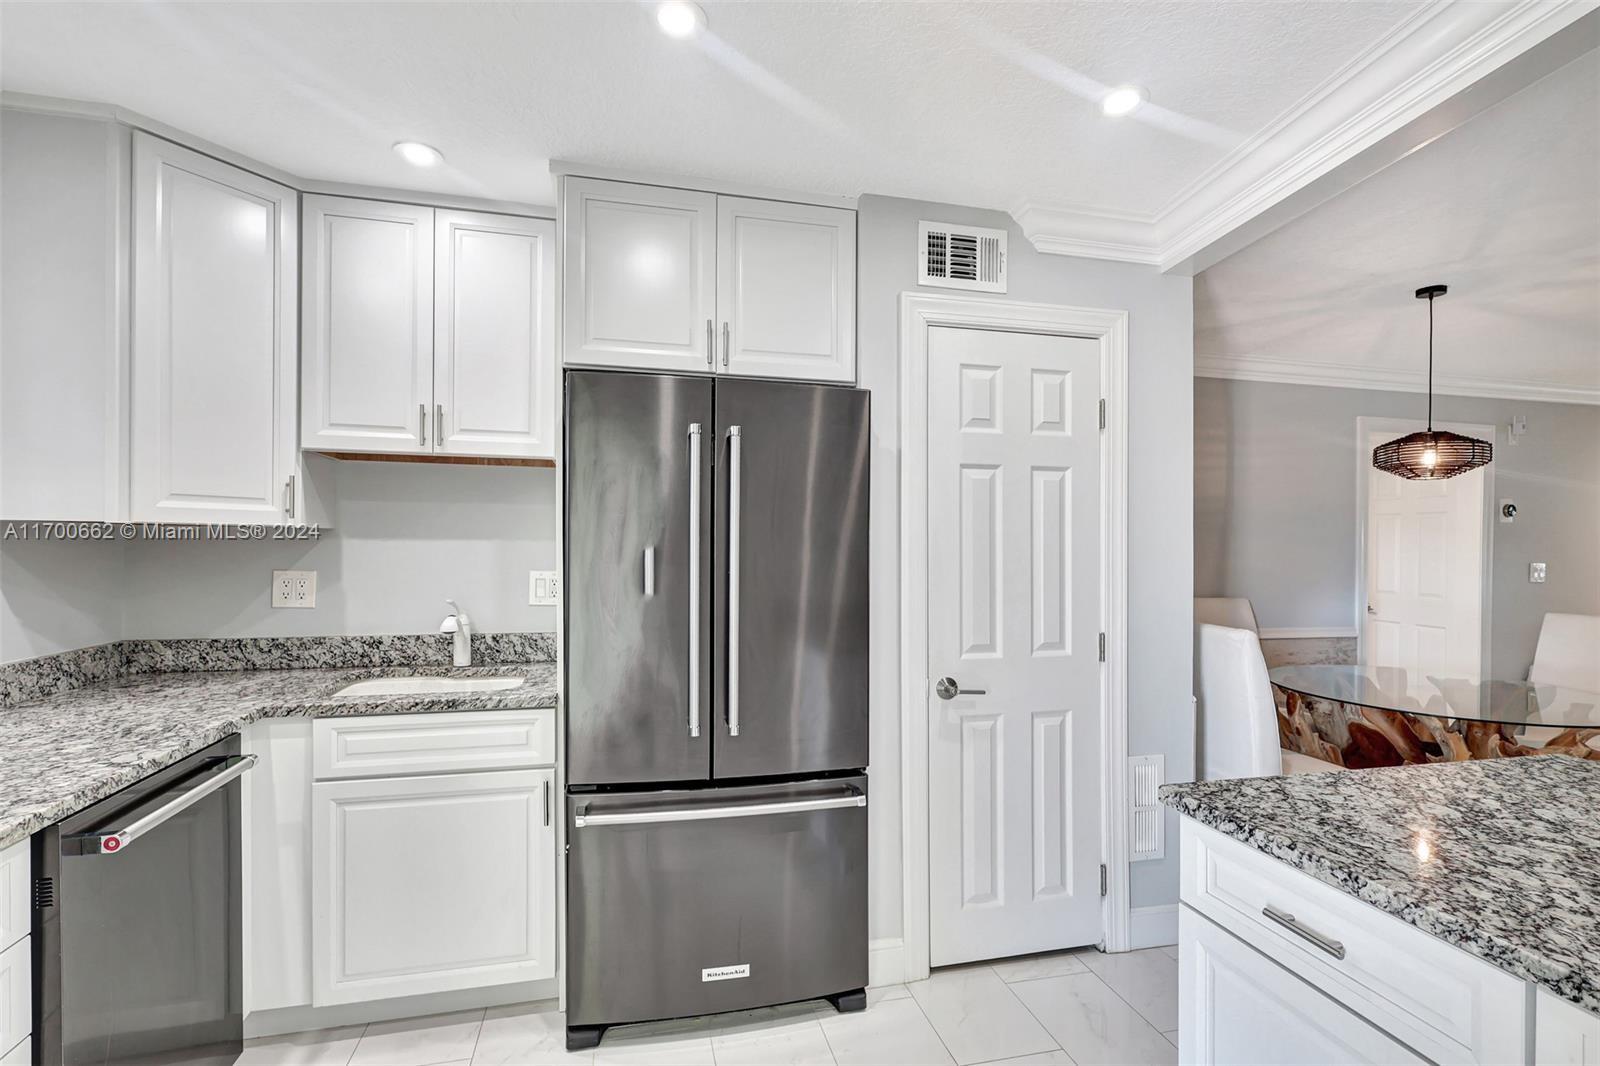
{"x":716,"y":726}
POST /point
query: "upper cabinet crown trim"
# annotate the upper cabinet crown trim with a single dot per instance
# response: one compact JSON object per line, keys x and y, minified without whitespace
{"x":562,"y":168}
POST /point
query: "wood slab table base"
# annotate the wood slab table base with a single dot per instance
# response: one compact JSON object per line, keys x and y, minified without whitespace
{"x":1359,"y":737}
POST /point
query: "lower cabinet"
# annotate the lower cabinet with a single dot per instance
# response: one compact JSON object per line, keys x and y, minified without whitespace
{"x":1237,"y":1006}
{"x":433,"y":883}
{"x":1565,"y":1033}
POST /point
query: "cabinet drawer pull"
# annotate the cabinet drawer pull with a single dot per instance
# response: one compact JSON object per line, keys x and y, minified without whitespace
{"x":1288,"y":921}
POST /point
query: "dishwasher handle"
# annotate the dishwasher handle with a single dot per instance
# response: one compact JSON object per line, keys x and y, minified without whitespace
{"x":854,"y":798}
{"x":109,"y":843}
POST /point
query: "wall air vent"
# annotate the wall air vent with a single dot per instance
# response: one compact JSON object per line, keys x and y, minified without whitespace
{"x":962,"y":257}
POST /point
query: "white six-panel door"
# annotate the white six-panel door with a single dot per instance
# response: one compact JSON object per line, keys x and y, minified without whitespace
{"x":367,"y":334}
{"x":786,"y":283}
{"x":639,"y":276}
{"x":1424,"y":562}
{"x":214,"y":378}
{"x":495,"y":383}
{"x":1013,"y":611}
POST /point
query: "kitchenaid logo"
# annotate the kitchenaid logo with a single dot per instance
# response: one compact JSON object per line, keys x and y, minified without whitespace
{"x":725,"y":973}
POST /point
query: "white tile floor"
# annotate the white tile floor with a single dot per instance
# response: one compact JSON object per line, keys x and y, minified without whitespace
{"x":1072,"y":1007}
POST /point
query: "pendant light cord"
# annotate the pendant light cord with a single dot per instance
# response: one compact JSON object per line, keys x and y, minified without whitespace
{"x":1430,"y":363}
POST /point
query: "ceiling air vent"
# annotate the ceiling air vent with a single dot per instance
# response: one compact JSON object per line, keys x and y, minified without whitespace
{"x":962,"y":257}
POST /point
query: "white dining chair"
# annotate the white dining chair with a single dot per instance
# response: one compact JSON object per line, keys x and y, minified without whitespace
{"x":1238,"y":734}
{"x":1234,"y":612}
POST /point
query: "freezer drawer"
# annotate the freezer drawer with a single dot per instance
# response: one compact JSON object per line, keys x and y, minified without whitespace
{"x":698,"y":901}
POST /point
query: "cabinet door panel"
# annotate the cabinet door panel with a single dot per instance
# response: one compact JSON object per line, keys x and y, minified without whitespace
{"x":428,"y":884}
{"x":786,"y":289}
{"x":494,"y":361}
{"x":214,"y":359}
{"x":639,"y":266}
{"x":368,"y":326}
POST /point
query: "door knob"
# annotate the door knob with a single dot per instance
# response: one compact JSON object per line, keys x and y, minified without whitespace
{"x":945,"y":688}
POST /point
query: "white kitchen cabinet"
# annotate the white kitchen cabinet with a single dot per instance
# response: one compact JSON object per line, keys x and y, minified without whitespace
{"x":427,"y":332}
{"x":16,"y":993}
{"x":1236,"y":1006}
{"x":432,"y":883}
{"x":640,"y":276}
{"x":494,"y":369}
{"x":215,"y":370}
{"x":692,"y":282}
{"x":277,"y":864}
{"x":1565,"y":1033}
{"x":367,"y":331}
{"x":786,"y":289}
{"x":64,"y":183}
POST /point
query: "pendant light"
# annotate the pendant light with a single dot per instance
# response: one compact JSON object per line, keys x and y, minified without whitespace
{"x":1431,"y":455}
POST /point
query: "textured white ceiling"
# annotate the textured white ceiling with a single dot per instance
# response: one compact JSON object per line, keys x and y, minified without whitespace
{"x":988,"y":104}
{"x":1504,"y":209}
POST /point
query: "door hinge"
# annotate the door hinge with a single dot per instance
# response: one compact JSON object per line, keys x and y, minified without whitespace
{"x":1102,"y":879}
{"x":1102,"y":647}
{"x":1102,"y":414}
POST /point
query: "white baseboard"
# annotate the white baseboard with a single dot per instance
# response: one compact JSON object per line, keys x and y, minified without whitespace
{"x":1308,"y":633}
{"x":1153,"y":927}
{"x":303,"y":1019}
{"x":886,"y":961}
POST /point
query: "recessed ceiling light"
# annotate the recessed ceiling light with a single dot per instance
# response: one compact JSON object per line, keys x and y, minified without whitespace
{"x":680,"y":18}
{"x":1123,"y":100}
{"x":418,"y":154}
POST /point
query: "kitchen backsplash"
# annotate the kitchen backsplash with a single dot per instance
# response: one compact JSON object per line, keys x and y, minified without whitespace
{"x":31,"y":679}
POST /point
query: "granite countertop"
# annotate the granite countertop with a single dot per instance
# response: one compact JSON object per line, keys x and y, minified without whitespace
{"x":1497,"y":856}
{"x":63,"y":752}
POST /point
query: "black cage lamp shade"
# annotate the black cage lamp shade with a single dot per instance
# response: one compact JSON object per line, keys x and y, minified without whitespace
{"x":1431,"y":454}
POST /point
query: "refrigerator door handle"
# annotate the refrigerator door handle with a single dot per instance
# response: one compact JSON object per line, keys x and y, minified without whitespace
{"x":735,"y":450}
{"x":700,"y":814}
{"x":694,"y":579}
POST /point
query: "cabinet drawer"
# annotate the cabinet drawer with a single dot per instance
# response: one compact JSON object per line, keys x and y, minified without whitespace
{"x":1449,"y":1005}
{"x":16,"y":992}
{"x":390,"y":745}
{"x":15,"y":871}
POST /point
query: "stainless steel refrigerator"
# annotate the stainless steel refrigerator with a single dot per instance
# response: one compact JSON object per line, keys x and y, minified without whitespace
{"x":716,"y":725}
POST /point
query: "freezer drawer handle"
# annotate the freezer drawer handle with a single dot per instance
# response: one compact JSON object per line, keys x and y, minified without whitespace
{"x":694,"y":579}
{"x":735,"y":452}
{"x":228,"y":769}
{"x":701,"y":814}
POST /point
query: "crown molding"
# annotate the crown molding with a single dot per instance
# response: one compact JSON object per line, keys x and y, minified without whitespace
{"x":1430,"y":57}
{"x":1385,"y":379}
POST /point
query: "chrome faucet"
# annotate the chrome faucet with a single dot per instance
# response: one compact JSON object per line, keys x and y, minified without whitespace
{"x":459,"y":626}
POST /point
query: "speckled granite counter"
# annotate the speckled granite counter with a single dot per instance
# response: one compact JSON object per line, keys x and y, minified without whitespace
{"x":64,"y":752}
{"x":1499,"y":857}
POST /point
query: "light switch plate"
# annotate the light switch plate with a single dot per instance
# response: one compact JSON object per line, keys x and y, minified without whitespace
{"x":1536,"y":573}
{"x":544,"y":588}
{"x":294,"y":588}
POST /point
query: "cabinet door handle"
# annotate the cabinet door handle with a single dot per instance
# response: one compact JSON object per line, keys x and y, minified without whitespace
{"x":288,"y":496}
{"x":422,"y":425}
{"x":438,"y":423}
{"x":547,"y":803}
{"x":711,"y":344}
{"x":1283,"y":918}
{"x":726,"y":344}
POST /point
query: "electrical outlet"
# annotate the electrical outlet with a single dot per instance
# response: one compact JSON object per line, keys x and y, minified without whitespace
{"x":544,"y":588}
{"x":1536,"y":573}
{"x":294,"y":588}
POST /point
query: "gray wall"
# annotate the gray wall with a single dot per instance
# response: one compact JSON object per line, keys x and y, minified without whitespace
{"x":1275,"y":504}
{"x":1160,"y":509}
{"x":406,"y":535}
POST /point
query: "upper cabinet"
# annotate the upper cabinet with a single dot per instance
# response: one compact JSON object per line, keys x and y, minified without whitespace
{"x":668,"y":279}
{"x":214,"y":370}
{"x":427,"y":332}
{"x":367,"y":328}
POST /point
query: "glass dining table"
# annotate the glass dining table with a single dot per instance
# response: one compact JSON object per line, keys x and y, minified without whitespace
{"x":1361,"y":716}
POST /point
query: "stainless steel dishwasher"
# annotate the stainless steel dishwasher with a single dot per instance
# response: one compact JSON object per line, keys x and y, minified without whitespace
{"x":136,"y":921}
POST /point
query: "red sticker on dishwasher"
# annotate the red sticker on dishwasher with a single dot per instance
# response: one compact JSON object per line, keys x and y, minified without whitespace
{"x":110,"y":844}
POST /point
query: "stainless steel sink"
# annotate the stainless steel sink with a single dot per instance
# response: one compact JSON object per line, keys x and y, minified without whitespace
{"x":420,"y":686}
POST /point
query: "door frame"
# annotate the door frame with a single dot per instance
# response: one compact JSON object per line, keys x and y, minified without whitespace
{"x":920,"y":312}
{"x":1366,"y":424}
